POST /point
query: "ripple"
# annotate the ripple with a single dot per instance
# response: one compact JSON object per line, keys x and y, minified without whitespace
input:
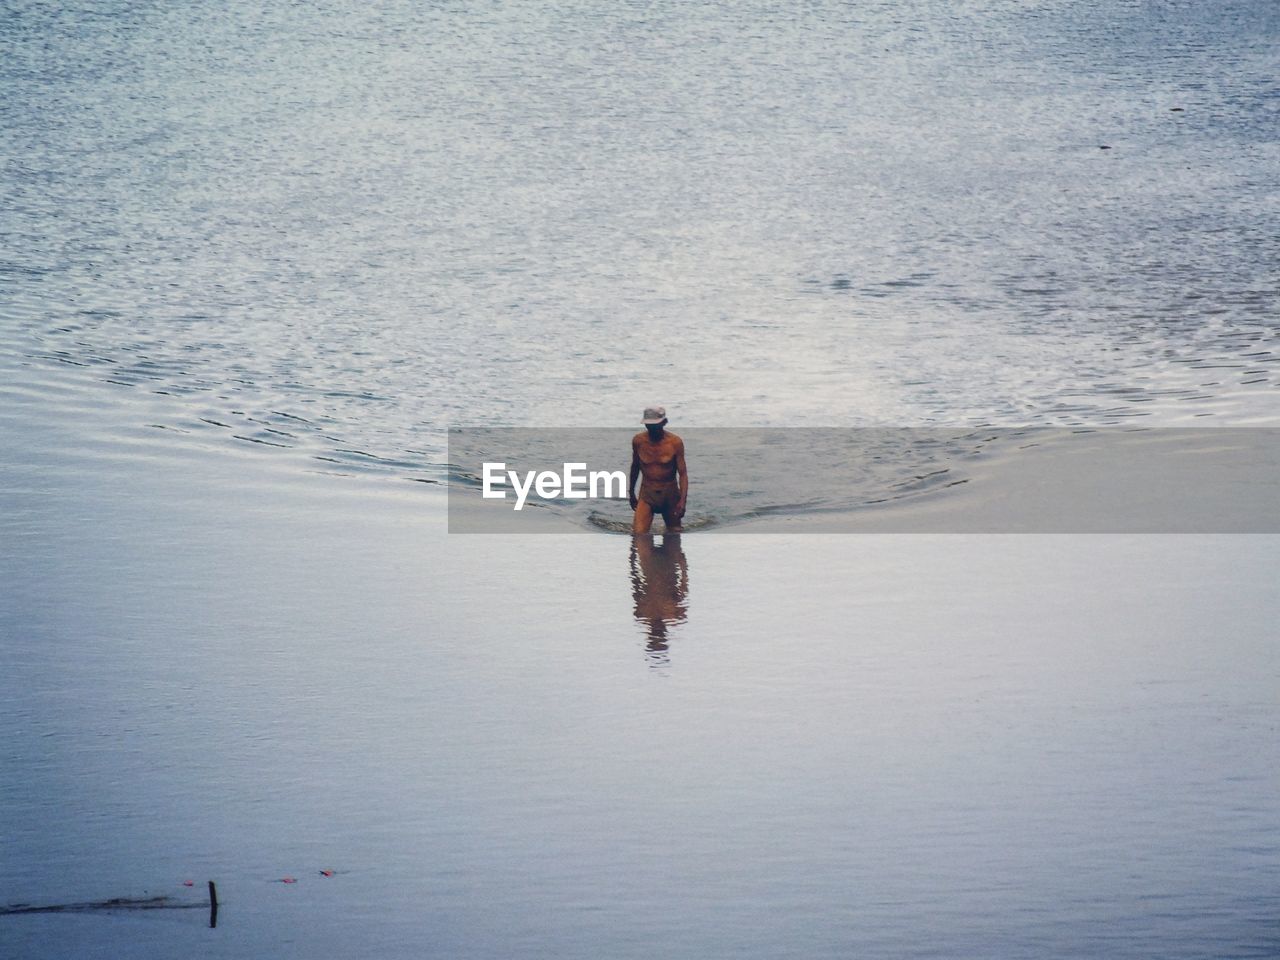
{"x":339,"y":280}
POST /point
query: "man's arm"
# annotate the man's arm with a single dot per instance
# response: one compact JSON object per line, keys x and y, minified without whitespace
{"x":635,"y":473}
{"x":683,"y":472}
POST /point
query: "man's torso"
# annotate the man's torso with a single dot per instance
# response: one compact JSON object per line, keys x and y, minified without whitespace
{"x":657,"y":460}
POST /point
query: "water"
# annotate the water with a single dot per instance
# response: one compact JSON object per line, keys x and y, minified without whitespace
{"x":904,"y":480}
{"x":256,"y":261}
{"x":814,"y":747}
{"x":335,"y":229}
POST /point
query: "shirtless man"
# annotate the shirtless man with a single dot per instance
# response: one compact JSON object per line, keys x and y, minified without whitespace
{"x":660,"y":457}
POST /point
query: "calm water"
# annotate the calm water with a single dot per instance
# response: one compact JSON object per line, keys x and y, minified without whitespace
{"x":255,"y":262}
{"x":879,"y":746}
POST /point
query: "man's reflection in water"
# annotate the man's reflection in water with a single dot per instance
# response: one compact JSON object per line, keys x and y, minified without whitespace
{"x":660,"y":588}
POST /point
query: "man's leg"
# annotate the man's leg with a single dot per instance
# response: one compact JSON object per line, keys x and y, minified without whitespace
{"x":669,"y":520}
{"x":643,"y":518}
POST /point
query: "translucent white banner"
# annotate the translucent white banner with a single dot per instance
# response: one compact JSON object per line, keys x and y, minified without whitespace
{"x":917,"y":480}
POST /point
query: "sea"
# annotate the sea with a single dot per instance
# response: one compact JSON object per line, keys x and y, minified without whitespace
{"x":257,"y":260}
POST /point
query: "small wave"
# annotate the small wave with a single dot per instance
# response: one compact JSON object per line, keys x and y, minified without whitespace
{"x":613,"y":524}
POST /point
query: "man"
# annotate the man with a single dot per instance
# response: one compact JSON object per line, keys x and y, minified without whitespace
{"x":660,"y":457}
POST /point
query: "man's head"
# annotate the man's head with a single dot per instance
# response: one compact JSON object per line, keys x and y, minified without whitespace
{"x":655,"y":418}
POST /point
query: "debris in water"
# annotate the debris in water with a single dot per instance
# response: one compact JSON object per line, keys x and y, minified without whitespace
{"x":115,"y":903}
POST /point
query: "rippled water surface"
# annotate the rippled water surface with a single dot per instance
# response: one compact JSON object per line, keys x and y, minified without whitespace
{"x":335,"y":228}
